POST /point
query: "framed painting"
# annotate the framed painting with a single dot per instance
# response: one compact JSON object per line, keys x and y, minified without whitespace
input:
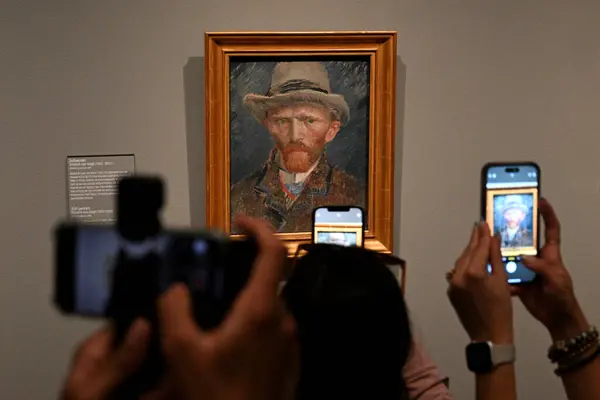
{"x":299,"y":120}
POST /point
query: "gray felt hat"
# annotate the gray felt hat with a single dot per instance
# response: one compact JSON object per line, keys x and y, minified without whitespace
{"x":298,"y":82}
{"x":514,"y":202}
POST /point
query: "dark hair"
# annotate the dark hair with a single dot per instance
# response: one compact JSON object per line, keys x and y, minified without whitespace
{"x":353,"y":325}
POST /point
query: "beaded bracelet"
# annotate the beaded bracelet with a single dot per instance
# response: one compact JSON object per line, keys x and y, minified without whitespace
{"x":565,"y":369}
{"x":576,"y":355}
{"x":566,"y":349}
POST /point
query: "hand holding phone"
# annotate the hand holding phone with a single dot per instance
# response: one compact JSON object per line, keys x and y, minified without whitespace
{"x":509,"y":204}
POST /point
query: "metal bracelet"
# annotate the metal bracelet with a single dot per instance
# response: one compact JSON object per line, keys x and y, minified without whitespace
{"x":564,"y":349}
{"x":562,"y":370}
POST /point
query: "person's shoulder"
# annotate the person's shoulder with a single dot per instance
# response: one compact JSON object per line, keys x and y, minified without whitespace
{"x":422,"y":376}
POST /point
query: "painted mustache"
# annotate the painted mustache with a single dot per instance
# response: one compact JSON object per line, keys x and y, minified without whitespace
{"x":295,"y":147}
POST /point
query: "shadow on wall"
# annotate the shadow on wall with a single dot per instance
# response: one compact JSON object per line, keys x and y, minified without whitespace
{"x":193,"y":82}
{"x":398,"y":151}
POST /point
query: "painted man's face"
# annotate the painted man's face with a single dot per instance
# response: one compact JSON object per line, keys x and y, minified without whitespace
{"x":301,"y":133}
{"x":338,"y":239}
{"x":514,"y":217}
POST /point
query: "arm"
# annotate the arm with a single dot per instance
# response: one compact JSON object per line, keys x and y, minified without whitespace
{"x":483,"y":303}
{"x":423,"y":379}
{"x":551,"y":300}
{"x":497,"y":385}
{"x":500,"y":384}
{"x":583,"y":383}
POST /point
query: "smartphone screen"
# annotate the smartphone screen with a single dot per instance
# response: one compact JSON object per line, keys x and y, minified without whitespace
{"x":510,"y":194}
{"x":87,"y":256}
{"x":339,"y":225}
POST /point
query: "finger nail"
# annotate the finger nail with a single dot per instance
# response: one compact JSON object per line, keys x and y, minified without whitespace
{"x":138,"y":329}
{"x":137,"y":334}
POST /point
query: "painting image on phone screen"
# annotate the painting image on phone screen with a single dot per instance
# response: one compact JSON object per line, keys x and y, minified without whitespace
{"x":337,"y":237}
{"x":511,"y":215}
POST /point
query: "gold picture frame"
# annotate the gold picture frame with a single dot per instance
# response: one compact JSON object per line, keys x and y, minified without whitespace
{"x":380,"y":47}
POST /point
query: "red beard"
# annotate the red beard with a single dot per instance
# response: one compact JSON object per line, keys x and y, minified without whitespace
{"x":298,"y":158}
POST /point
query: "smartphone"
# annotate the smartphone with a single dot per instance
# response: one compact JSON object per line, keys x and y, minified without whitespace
{"x":341,"y":225}
{"x":214,"y":268}
{"x":510,"y":192}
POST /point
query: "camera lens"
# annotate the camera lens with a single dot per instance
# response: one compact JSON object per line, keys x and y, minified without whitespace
{"x":200,"y":247}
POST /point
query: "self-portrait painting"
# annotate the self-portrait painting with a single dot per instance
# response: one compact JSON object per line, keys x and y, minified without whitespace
{"x":299,"y":137}
{"x":298,"y":121}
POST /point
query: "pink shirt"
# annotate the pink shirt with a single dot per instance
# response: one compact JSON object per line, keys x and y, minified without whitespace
{"x":423,"y":378}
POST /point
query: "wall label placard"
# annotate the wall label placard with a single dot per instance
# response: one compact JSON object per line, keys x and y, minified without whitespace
{"x":92,"y":184}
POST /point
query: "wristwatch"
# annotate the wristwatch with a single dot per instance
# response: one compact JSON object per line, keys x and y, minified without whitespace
{"x":484,"y":357}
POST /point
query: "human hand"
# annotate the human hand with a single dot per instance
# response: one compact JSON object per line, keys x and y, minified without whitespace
{"x":98,"y":367}
{"x":551,"y":298}
{"x":253,"y":353}
{"x":482,"y":300}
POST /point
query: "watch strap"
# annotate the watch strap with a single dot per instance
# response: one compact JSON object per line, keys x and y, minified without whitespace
{"x":503,"y":354}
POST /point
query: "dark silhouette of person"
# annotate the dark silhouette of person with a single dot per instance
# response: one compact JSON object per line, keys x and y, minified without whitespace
{"x":135,"y":289}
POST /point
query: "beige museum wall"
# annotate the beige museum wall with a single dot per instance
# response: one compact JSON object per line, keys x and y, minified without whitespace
{"x":484,"y":80}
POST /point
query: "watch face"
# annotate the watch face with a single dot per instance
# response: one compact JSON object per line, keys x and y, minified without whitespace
{"x":479,"y":358}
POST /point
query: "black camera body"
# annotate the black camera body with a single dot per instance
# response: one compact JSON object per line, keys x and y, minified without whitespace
{"x":213,"y":267}
{"x":146,"y":260}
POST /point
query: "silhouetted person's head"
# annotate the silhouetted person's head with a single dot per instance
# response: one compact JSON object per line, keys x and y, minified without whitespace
{"x":352,"y":322}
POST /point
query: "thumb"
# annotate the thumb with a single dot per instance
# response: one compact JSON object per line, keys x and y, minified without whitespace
{"x":537,"y":265}
{"x":176,"y":316}
{"x":131,"y":353}
{"x":498,"y":270}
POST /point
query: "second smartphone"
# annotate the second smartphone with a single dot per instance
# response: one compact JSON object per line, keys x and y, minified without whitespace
{"x":510,"y":192}
{"x":341,"y":225}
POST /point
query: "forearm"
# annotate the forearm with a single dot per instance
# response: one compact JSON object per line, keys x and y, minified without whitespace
{"x":500,"y":384}
{"x":497,"y":385}
{"x":584,"y":382}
